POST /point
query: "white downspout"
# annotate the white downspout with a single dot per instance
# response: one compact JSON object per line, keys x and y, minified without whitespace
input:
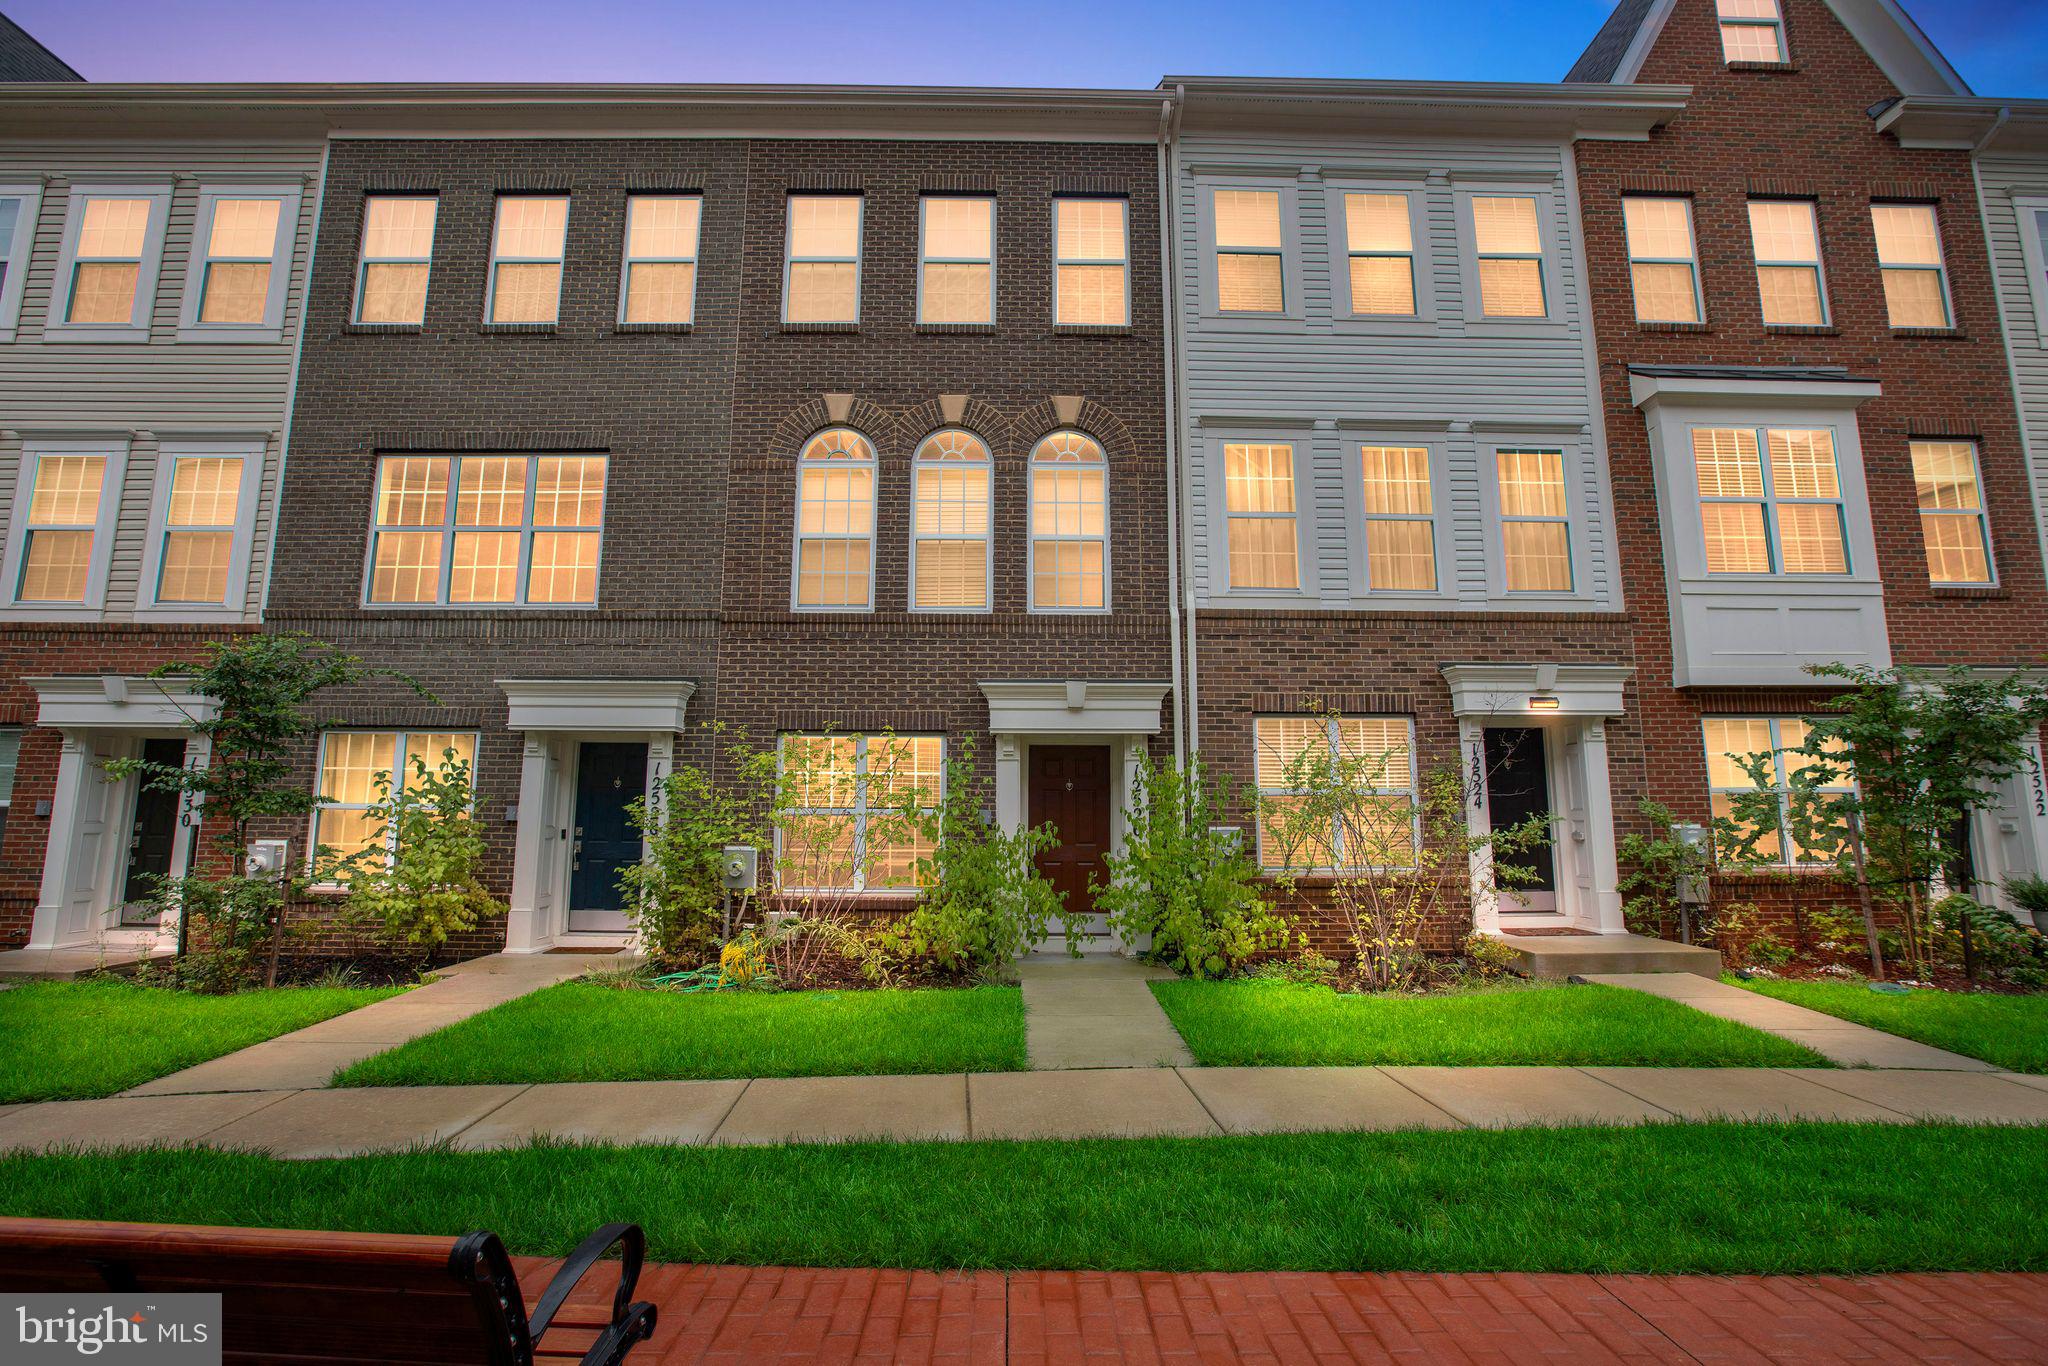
{"x":1176,"y":374}
{"x":1169,"y":126}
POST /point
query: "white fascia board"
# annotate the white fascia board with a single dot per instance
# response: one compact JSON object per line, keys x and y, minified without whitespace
{"x":1845,"y":393}
{"x":600,"y":705}
{"x":118,"y":702}
{"x":1495,"y":690}
{"x":1074,"y":707}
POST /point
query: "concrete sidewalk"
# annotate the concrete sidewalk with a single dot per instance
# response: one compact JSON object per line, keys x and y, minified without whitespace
{"x":1124,"y":1102}
{"x":1840,"y":1041}
{"x":1096,"y":1011}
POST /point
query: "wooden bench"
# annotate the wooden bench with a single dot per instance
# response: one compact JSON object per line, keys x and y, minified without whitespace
{"x":289,"y":1295}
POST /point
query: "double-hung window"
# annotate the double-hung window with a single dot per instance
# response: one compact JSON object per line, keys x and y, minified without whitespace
{"x":1785,"y":235}
{"x":526,"y":258}
{"x":1731,"y":739}
{"x":1909,"y":259}
{"x":1535,"y":525}
{"x":851,"y":821}
{"x":1508,"y":235}
{"x":1373,"y":757}
{"x":1784,"y":515}
{"x":106,"y":279}
{"x":835,"y":522}
{"x":1258,"y":482}
{"x":19,"y":206}
{"x":398,"y":254}
{"x":241,"y":264}
{"x":822,"y":279}
{"x":956,"y":279}
{"x":660,"y":272}
{"x":1952,"y":525}
{"x":1751,"y":30}
{"x":1091,"y":262}
{"x":1069,"y":525}
{"x":1400,"y":519}
{"x":203,"y":523}
{"x":61,"y":559}
{"x":487,"y":530}
{"x":950,"y":546}
{"x":1379,"y":240}
{"x":352,"y":765}
{"x":1249,"y":262}
{"x":1662,"y":262}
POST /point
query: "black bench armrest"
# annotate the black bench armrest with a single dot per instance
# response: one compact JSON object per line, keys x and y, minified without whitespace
{"x":614,"y":1342}
{"x":632,"y":1245}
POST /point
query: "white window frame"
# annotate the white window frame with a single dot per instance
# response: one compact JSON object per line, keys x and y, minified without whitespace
{"x":149,"y":264}
{"x":859,"y":811}
{"x":1306,"y":582}
{"x":873,"y":465}
{"x":251,"y":452}
{"x":282,"y":261}
{"x":1553,"y":316}
{"x":1413,"y":792}
{"x":1982,"y":512}
{"x":400,"y":767}
{"x":1691,"y":263}
{"x":1289,"y":252}
{"x":627,"y":260}
{"x":2031,"y":211}
{"x":1032,"y":538}
{"x":1781,"y":785}
{"x":790,"y":259}
{"x":33,"y":450}
{"x":364,"y":260}
{"x":920,"y":464}
{"x":448,"y":529}
{"x":1337,"y":216}
{"x":1939,"y":269}
{"x":1569,"y":464}
{"x":1442,"y":531}
{"x":560,"y":263}
{"x":20,"y":248}
{"x":1778,"y":25}
{"x":1059,"y":261}
{"x":923,"y":259}
{"x":1818,"y":265}
{"x":1770,"y":501}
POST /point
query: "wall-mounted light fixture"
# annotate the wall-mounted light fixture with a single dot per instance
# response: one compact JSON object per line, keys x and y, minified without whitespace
{"x":1543,"y":704}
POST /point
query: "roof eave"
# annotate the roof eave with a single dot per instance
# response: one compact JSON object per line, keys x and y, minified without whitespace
{"x":1442,"y":107}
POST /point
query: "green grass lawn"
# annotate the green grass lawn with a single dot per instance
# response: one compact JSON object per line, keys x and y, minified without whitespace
{"x":1722,"y":1198}
{"x":579,"y":1032}
{"x":74,"y":1040}
{"x":1276,"y":1024}
{"x":2007,"y":1031}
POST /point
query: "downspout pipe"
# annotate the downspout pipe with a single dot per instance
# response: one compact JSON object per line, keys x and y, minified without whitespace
{"x":1183,"y":682}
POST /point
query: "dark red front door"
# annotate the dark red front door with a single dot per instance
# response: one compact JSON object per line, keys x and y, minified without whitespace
{"x":1070,"y":788}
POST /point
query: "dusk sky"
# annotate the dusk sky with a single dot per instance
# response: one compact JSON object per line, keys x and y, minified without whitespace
{"x":2000,"y":46}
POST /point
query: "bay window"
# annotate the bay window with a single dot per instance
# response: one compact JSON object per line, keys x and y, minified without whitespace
{"x":1784,"y":515}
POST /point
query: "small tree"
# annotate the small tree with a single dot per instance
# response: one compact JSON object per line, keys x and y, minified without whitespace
{"x":260,"y":687}
{"x":677,"y":895}
{"x":418,"y":878}
{"x":1653,"y":867}
{"x":1183,"y":876}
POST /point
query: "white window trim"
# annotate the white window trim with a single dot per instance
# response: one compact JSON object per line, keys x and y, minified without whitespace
{"x":790,"y":259}
{"x":873,"y":465}
{"x":1031,"y":537}
{"x":1554,"y":314}
{"x":924,"y":260}
{"x":1939,"y":269}
{"x":1818,"y":265}
{"x":1691,"y":263}
{"x":1413,"y":792}
{"x":1571,"y":461}
{"x":860,"y":811}
{"x":115,"y":449}
{"x":1442,"y":518}
{"x":1782,"y":786}
{"x":1982,"y":513}
{"x":1058,"y":260}
{"x":1213,"y":313}
{"x":251,"y":452}
{"x":1770,"y":501}
{"x":1419,"y":257}
{"x":560,"y":263}
{"x":1306,"y":577}
{"x":2031,"y":212}
{"x":627,"y":260}
{"x":988,"y":583}
{"x":19,"y":252}
{"x":1784,"y":48}
{"x":364,"y":260}
{"x":400,"y":765}
{"x":448,"y":529}
{"x":282,"y":263}
{"x":136,"y":329}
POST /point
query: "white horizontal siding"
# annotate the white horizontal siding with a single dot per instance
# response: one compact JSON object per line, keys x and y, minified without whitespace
{"x":2026,"y":335}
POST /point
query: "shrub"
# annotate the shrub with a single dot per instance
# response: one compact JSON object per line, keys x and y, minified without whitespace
{"x":676,"y":895}
{"x":2030,"y":896}
{"x":1490,"y":957}
{"x":1995,"y":940}
{"x":1184,"y":879}
{"x":426,"y":887}
{"x":1653,"y":867}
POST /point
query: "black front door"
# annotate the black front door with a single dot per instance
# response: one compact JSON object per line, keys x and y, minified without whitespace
{"x":608,"y":776}
{"x":1518,"y":787}
{"x":153,"y":833}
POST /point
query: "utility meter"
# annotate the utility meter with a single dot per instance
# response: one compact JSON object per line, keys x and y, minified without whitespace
{"x":741,"y":867}
{"x":1692,"y":888}
{"x":265,"y":859}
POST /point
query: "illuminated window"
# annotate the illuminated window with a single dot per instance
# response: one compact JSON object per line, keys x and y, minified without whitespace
{"x":1378,"y":756}
{"x":1952,"y":524}
{"x":1751,"y":31}
{"x":526,"y":258}
{"x":199,"y":529}
{"x":398,"y":253}
{"x":822,"y":283}
{"x":660,"y":284}
{"x":1069,"y":525}
{"x":1258,"y":483}
{"x":849,"y":826}
{"x":1729,"y":739}
{"x":1534,"y":525}
{"x":1400,"y":519}
{"x":514,"y":530}
{"x":107,"y":265}
{"x":956,"y":280}
{"x":352,"y":763}
{"x":1380,"y":245}
{"x":1510,"y":256}
{"x":1909,"y":257}
{"x":950,"y":546}
{"x":1780,"y":516}
{"x":1661,"y":261}
{"x":835,"y":522}
{"x":1786,"y":239}
{"x":1248,"y":252}
{"x":1091,"y":245}
{"x":62,"y":527}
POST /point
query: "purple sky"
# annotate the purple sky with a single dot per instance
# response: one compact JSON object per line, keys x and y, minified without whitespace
{"x":2000,"y":46}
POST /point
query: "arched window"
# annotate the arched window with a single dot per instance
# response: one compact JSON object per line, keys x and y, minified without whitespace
{"x":835,"y":522}
{"x":1069,"y":525}
{"x":949,"y":541}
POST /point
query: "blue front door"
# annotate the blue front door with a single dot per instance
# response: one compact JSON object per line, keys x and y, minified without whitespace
{"x":608,"y":776}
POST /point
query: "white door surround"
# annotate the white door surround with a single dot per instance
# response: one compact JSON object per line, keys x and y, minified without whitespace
{"x":557,"y":716}
{"x":1570,"y":704}
{"x":85,"y":861}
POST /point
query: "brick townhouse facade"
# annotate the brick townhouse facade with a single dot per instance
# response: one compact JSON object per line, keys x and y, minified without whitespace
{"x":1816,"y":453}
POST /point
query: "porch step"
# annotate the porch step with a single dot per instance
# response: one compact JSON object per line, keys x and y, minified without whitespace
{"x":1580,"y":955}
{"x":64,"y":965}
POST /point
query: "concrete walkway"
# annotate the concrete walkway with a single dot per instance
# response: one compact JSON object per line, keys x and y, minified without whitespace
{"x":1119,"y":1102}
{"x":1839,"y":1041}
{"x":309,"y":1057}
{"x":1096,"y":1011}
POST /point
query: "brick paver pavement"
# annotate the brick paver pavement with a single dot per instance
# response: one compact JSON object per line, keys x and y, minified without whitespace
{"x":726,"y":1314}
